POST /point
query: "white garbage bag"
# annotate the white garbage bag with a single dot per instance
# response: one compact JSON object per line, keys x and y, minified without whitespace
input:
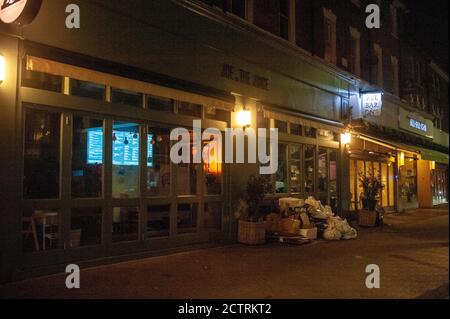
{"x":332,"y":234}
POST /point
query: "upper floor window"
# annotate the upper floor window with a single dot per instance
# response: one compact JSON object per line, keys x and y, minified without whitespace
{"x":329,"y":36}
{"x":284,"y":19}
{"x":355,"y":52}
{"x":395,"y":76}
{"x":394,"y":21}
{"x":378,"y":64}
{"x":237,"y":7}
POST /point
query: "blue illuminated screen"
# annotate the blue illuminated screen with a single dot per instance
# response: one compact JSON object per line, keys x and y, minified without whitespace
{"x":125,"y":148}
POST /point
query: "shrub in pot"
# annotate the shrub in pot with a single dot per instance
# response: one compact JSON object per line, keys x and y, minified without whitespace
{"x":251,"y":226}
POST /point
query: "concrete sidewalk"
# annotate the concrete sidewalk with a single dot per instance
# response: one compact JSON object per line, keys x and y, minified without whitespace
{"x":412,"y":253}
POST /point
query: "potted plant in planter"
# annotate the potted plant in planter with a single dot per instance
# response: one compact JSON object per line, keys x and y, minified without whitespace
{"x":371,"y":190}
{"x":251,"y":226}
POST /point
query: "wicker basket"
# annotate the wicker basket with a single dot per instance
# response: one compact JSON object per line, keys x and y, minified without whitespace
{"x":251,"y":233}
{"x":367,"y":218}
{"x":289,"y":226}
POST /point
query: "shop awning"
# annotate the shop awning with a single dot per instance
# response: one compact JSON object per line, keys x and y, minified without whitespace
{"x":425,"y":154}
{"x":436,"y":156}
{"x":75,"y":72}
{"x":304,"y":120}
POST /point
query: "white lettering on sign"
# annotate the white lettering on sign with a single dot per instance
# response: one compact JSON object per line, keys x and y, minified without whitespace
{"x":418,"y":125}
{"x":372,"y":103}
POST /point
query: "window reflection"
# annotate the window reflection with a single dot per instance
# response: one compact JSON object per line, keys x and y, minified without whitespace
{"x":309,"y":167}
{"x":41,"y":154}
{"x":125,"y":169}
{"x":158,"y":221}
{"x":87,"y":157}
{"x":295,"y":168}
{"x":85,"y":227}
{"x":158,"y":162}
{"x":187,"y":218}
{"x":212,"y":168}
{"x":281,"y":178}
{"x":213,"y":216}
{"x":125,"y":224}
{"x":187,"y":173}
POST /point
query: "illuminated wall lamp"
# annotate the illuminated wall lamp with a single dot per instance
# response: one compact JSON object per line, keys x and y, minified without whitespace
{"x":2,"y":68}
{"x":401,"y":159}
{"x":346,"y":138}
{"x":244,"y":118}
{"x":432,"y":165}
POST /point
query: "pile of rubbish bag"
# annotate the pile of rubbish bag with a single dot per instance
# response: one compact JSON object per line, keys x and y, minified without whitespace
{"x":332,"y":227}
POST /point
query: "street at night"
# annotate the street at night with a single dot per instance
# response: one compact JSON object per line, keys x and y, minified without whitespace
{"x":412,"y":253}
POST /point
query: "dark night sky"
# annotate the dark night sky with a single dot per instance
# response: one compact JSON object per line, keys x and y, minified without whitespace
{"x":431,"y":28}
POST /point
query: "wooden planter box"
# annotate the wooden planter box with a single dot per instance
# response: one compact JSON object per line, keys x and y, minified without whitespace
{"x":251,"y":233}
{"x":367,"y":218}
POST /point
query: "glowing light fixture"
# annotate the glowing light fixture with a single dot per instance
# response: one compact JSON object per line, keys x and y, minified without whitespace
{"x":401,"y":159}
{"x":432,"y":165}
{"x":346,"y":138}
{"x":2,"y":68}
{"x":244,"y":118}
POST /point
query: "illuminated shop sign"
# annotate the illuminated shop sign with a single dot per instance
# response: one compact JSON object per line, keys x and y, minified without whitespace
{"x":372,"y":103}
{"x":19,"y":11}
{"x":418,"y":125}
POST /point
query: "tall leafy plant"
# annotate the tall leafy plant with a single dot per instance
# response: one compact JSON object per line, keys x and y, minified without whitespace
{"x":257,"y":187}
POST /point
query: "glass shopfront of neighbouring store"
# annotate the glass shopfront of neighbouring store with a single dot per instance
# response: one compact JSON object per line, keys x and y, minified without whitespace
{"x":97,"y":171}
{"x":308,"y":158}
{"x":367,"y":158}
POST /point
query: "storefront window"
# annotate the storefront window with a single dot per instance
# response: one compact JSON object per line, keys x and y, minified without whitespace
{"x":191,"y":109}
{"x":281,"y":126}
{"x":310,"y":132}
{"x":187,"y":218}
{"x":87,"y":89}
{"x":87,"y":157}
{"x":158,"y":162}
{"x":158,"y":221}
{"x":296,"y":129}
{"x":213,"y":216}
{"x":41,"y":154}
{"x":281,"y":178}
{"x":126,"y":97}
{"x":85,"y":227}
{"x":186,"y":174}
{"x":323,"y":171}
{"x":384,"y":182}
{"x":161,"y":104}
{"x":309,"y":167}
{"x":295,"y":167}
{"x":216,"y":114}
{"x":42,"y":81}
{"x":212,"y":169}
{"x":353,"y":190}
{"x":391,"y":185}
{"x":359,"y":171}
{"x":125,"y":224}
{"x":408,"y":181}
{"x":125,"y":169}
{"x":332,"y":166}
{"x":40,"y":230}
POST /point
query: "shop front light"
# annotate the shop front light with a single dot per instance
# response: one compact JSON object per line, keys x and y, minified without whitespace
{"x":401,"y":159}
{"x":244,"y":118}
{"x":2,"y":68}
{"x":432,"y":165}
{"x":346,"y":138}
